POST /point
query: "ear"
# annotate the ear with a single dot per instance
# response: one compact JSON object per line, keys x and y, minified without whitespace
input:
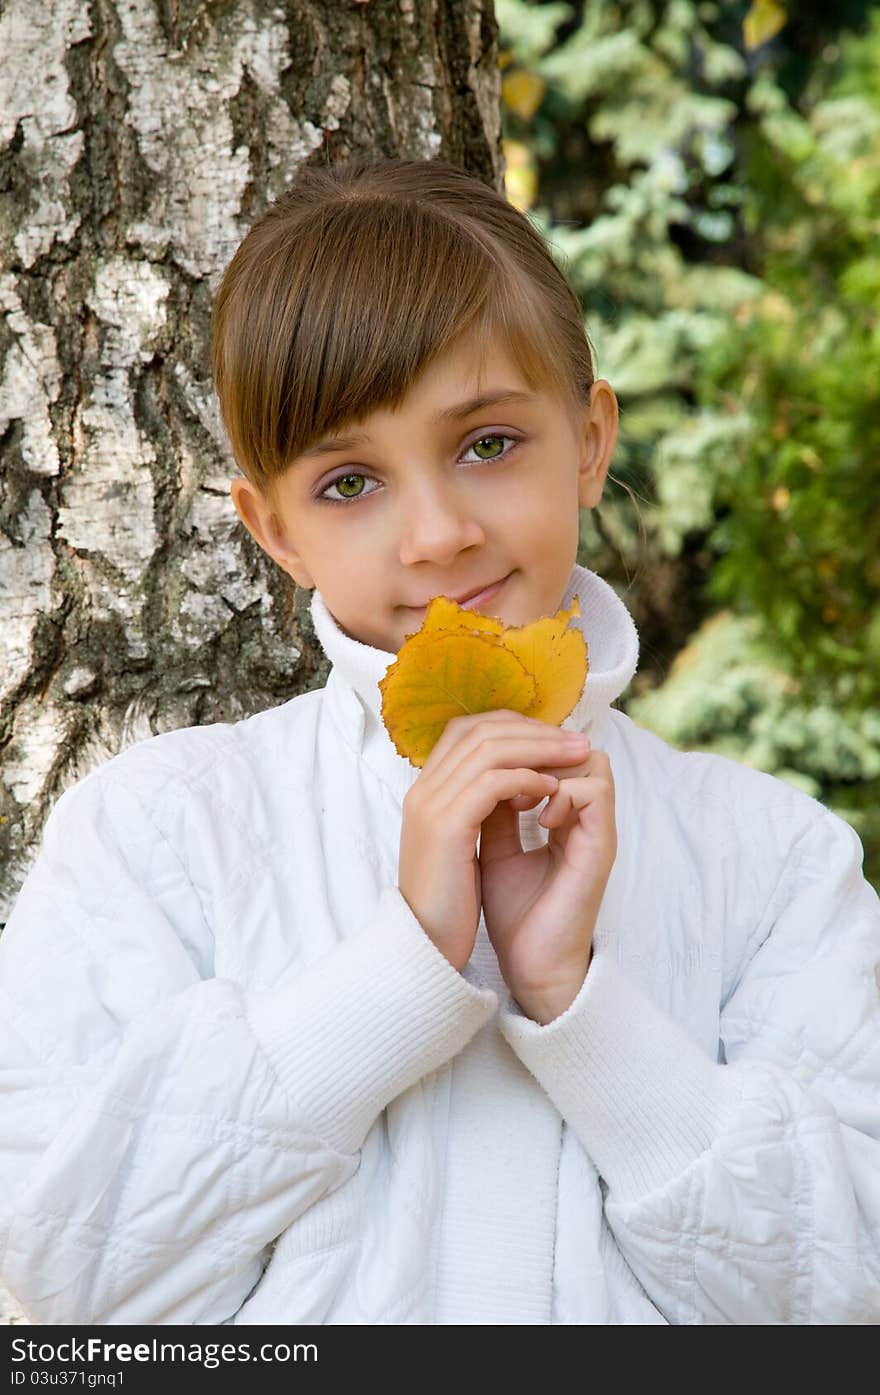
{"x":599,"y":426}
{"x":265,"y":526}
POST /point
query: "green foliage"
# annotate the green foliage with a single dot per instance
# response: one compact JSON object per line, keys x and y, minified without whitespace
{"x":801,"y":541}
{"x":717,"y":210}
{"x":727,"y":692}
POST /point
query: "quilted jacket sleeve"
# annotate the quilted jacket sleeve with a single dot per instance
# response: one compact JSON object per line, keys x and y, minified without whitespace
{"x":742,"y":1190}
{"x":161,"y":1126}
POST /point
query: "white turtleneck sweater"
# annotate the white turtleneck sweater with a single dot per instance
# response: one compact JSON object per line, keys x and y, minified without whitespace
{"x":495,"y":1240}
{"x":242,"y":1085}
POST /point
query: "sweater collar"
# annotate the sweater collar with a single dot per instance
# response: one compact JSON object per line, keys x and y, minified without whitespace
{"x":613,"y":652}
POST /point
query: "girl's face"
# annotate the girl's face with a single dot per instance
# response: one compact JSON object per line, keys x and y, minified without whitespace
{"x":441,"y":497}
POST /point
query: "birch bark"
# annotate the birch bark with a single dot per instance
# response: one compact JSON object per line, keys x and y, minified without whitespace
{"x":138,"y":141}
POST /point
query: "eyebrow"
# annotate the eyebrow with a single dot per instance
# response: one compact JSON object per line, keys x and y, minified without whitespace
{"x":330,"y":444}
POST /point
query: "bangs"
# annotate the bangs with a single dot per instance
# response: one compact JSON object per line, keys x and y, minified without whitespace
{"x":322,"y":322}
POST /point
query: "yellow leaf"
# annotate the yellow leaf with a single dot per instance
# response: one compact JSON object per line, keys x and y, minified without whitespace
{"x":763,"y":22}
{"x":443,"y":614}
{"x":461,"y":662}
{"x":558,"y":659}
{"x":440,"y":676}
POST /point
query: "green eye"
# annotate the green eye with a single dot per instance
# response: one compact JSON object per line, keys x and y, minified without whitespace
{"x":496,"y":439}
{"x":344,"y":481}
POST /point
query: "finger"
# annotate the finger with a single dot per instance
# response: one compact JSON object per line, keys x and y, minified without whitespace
{"x":593,"y":763}
{"x":499,"y":833}
{"x":557,"y":809}
{"x":483,"y":750}
{"x":574,"y":795}
{"x":466,"y":809}
{"x":457,"y":728}
{"x":523,"y":802}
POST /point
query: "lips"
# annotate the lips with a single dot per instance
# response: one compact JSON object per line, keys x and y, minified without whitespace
{"x":484,"y":594}
{"x":472,"y":598}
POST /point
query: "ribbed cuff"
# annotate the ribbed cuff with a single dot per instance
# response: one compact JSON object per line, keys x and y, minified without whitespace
{"x":365,"y":1022}
{"x":642,"y":1097}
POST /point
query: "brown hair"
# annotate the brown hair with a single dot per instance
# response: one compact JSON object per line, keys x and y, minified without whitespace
{"x":359,"y":275}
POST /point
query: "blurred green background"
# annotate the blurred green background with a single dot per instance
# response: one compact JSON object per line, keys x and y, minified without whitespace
{"x":708,"y":177}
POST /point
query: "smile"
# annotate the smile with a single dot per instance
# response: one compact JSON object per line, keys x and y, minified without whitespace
{"x":473,"y":602}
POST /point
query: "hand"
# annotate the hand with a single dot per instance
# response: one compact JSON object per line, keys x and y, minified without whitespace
{"x":541,"y":906}
{"x":480,"y":759}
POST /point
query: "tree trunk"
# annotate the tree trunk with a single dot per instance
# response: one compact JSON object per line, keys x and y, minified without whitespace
{"x":138,"y":142}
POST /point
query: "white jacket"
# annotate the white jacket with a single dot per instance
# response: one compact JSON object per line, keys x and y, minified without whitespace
{"x":241,"y":1085}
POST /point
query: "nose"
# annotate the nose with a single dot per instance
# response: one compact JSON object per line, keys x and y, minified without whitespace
{"x":436,"y":524}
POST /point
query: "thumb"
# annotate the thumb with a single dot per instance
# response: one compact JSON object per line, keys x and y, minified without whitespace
{"x":522,"y":802}
{"x":499,"y":831}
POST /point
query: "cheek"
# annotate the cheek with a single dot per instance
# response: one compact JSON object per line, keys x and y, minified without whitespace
{"x":545,"y":512}
{"x":548,"y":535}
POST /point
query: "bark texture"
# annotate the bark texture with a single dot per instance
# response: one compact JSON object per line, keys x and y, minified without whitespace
{"x":138,"y":141}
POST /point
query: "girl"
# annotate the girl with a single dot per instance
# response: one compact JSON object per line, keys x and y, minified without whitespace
{"x":567,"y":1026}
